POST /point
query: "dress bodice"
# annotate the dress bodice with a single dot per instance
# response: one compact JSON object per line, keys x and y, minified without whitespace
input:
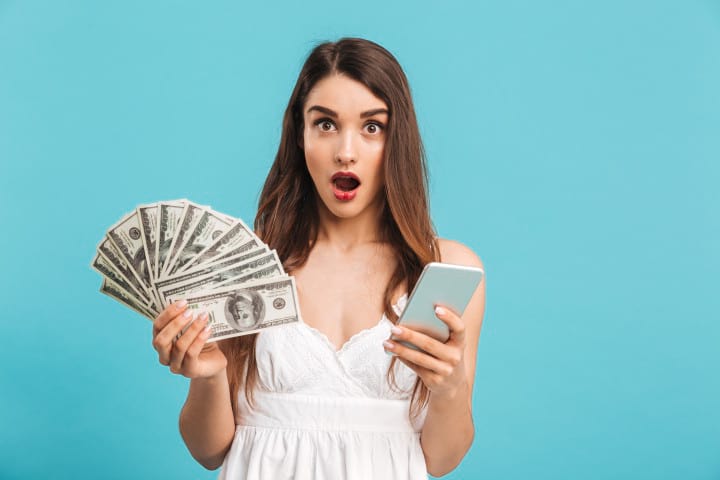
{"x":300,"y":359}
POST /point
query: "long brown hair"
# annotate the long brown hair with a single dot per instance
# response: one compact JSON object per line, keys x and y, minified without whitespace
{"x":287,"y":217}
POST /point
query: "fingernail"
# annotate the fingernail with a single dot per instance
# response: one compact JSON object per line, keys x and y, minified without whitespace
{"x":388,"y":345}
{"x":440,"y":311}
{"x":181,"y":304}
{"x":187,"y":314}
{"x":206,"y":331}
{"x":396,"y":330}
{"x":204,"y":317}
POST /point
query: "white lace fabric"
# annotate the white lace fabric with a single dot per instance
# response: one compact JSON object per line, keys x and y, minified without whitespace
{"x":321,"y":413}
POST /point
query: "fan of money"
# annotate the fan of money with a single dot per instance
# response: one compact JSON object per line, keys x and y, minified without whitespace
{"x":167,"y":251}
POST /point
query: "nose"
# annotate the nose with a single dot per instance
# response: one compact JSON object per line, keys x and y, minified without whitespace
{"x":347,"y":148}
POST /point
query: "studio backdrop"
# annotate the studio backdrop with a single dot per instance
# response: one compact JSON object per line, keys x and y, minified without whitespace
{"x":574,"y":146}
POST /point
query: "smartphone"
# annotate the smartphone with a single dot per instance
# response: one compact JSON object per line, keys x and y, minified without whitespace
{"x":443,"y":284}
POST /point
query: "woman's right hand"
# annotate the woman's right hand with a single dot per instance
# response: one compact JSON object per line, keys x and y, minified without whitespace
{"x":187,"y":355}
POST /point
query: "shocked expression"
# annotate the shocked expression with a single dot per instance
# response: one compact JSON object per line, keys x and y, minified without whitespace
{"x":344,"y":142}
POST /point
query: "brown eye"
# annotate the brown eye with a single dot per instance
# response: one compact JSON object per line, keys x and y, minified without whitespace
{"x":325,"y":125}
{"x":373,"y":128}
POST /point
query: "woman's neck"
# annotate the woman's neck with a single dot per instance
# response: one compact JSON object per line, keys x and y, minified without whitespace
{"x":348,"y":233}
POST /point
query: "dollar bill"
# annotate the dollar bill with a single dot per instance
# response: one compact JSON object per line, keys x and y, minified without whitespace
{"x":238,"y":252}
{"x":113,"y":290}
{"x":169,"y":215}
{"x":249,"y":308}
{"x":191,"y":215}
{"x":126,"y":235}
{"x":234,"y":275}
{"x":209,"y":227}
{"x":205,"y":269}
{"x":117,"y":260}
{"x":148,"y":215}
{"x":272,"y":270}
{"x":237,"y":237}
{"x":108,"y":270}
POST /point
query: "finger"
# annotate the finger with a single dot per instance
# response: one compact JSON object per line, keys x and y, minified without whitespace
{"x":177,"y":354}
{"x":430,"y":345}
{"x":196,"y":347}
{"x":163,"y":341}
{"x":168,"y":314}
{"x":427,"y":376}
{"x":420,"y":359}
{"x":454,"y":323}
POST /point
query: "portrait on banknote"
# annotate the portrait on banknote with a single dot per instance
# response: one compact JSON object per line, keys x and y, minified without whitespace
{"x":244,"y":309}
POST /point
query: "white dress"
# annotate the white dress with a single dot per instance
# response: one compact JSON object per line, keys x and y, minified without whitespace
{"x":326,"y":414}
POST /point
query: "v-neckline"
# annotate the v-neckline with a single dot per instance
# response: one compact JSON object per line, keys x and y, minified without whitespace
{"x":338,"y":351}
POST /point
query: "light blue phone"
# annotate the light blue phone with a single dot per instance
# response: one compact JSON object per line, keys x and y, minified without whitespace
{"x":443,"y":284}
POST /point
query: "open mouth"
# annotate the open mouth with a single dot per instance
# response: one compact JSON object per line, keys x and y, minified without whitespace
{"x":345,"y":185}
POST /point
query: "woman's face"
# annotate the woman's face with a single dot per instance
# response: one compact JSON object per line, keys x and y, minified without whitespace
{"x":344,"y":140}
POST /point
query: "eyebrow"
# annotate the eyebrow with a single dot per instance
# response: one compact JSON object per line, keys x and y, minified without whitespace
{"x":332,"y":113}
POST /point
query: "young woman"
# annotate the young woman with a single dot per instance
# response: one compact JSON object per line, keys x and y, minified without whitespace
{"x":345,"y":205}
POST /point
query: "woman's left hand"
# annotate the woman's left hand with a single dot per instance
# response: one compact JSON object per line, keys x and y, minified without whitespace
{"x":440,"y":366}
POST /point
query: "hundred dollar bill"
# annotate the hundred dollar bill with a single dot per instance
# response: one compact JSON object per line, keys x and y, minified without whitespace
{"x":237,"y":237}
{"x":210,"y":226}
{"x":126,"y":235}
{"x":111,"y":253}
{"x":236,"y":275}
{"x":273,"y":270}
{"x":169,"y":215}
{"x":114,"y":291}
{"x":238,"y":252}
{"x":250,"y":308}
{"x":148,"y":215}
{"x":204,"y":269}
{"x":191,"y":215}
{"x":108,"y":270}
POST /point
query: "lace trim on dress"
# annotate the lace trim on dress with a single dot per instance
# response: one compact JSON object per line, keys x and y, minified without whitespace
{"x":397,"y":306}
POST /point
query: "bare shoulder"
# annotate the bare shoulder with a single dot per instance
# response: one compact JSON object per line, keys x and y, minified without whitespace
{"x":458,"y":254}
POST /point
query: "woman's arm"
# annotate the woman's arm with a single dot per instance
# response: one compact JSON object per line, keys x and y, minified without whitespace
{"x":448,"y":370}
{"x":207,"y":424}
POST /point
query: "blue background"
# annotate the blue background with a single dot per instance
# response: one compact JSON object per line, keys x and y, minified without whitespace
{"x":575,"y":146}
